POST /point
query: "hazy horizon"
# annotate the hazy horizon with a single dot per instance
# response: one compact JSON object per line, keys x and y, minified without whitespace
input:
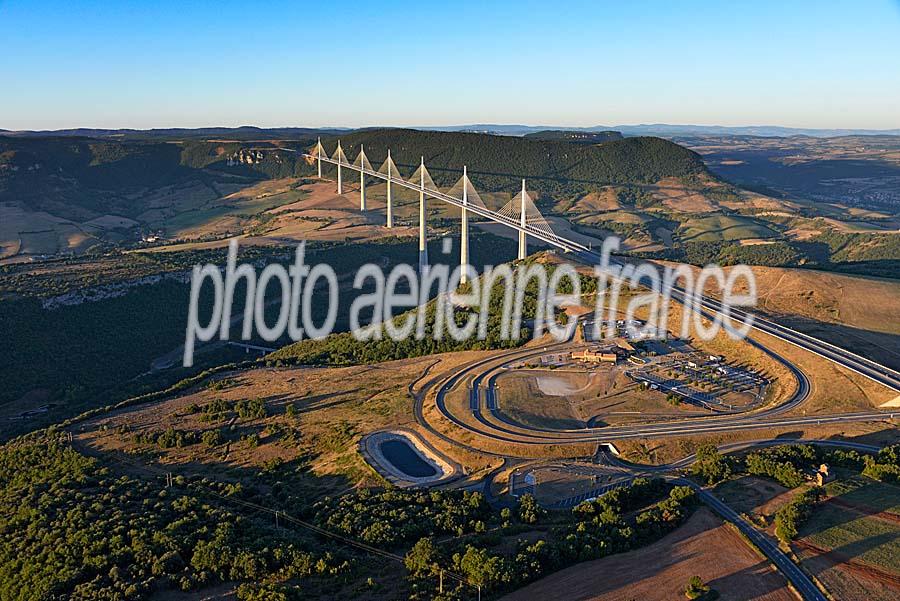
{"x":511,"y":124}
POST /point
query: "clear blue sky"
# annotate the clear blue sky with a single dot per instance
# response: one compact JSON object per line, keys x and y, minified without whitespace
{"x":160,"y":63}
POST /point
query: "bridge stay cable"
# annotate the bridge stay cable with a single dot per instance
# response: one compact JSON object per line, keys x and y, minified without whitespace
{"x":433,"y":191}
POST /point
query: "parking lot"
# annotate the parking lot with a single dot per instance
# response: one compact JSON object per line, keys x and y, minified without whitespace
{"x":703,"y":380}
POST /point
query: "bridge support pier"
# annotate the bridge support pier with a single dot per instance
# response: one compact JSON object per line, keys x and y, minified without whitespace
{"x":340,"y":186}
{"x":423,"y":240}
{"x":319,"y":157}
{"x":523,"y":250}
{"x":362,"y":180}
{"x":390,"y":214}
{"x":464,"y":234}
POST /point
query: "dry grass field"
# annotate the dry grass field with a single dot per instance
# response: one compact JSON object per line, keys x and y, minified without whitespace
{"x":865,"y":303}
{"x":704,"y":547}
{"x":29,"y":234}
{"x":666,"y":450}
{"x":334,"y":408}
{"x":281,"y":212}
{"x":570,"y":399}
{"x":675,"y":196}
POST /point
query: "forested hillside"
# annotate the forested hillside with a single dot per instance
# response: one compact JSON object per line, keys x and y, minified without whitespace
{"x":500,"y":162}
{"x":78,"y":178}
{"x":577,"y":137}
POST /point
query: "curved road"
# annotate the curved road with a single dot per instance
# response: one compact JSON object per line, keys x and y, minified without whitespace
{"x":495,"y":425}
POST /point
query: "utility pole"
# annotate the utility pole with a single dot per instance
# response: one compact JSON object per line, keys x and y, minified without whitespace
{"x":340,"y":187}
{"x":423,"y":241}
{"x":362,"y":178}
{"x":522,"y":244}
{"x":441,"y":583}
{"x":464,"y":236}
{"x":390,"y":216}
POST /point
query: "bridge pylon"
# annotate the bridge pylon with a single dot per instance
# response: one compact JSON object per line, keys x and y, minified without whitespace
{"x":523,"y":248}
{"x":389,"y":210}
{"x":522,"y":211}
{"x":423,"y":239}
{"x":339,"y":153}
{"x":319,"y":157}
{"x":362,"y":179}
{"x":464,"y":231}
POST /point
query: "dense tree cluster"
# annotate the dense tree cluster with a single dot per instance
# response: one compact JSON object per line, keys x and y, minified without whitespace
{"x":70,"y":529}
{"x":393,"y":518}
{"x":167,"y":439}
{"x":622,"y":519}
{"x":773,"y":254}
{"x":885,"y":466}
{"x":787,"y":463}
{"x":783,"y":463}
{"x":711,"y":465}
{"x":791,"y":516}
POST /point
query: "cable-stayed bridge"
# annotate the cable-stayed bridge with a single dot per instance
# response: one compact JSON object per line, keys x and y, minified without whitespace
{"x":521,"y":214}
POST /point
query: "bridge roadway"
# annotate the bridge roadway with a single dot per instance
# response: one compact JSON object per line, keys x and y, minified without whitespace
{"x":861,"y":365}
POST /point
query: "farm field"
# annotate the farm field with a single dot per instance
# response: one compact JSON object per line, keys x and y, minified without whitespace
{"x":704,"y":546}
{"x":852,"y":540}
{"x":723,"y":227}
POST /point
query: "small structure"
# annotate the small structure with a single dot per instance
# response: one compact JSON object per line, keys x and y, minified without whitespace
{"x":553,"y":359}
{"x":597,"y":355}
{"x":823,"y":475}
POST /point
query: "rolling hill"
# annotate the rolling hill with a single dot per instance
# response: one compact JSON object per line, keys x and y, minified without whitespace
{"x":68,"y":193}
{"x":496,"y":163}
{"x":577,"y":137}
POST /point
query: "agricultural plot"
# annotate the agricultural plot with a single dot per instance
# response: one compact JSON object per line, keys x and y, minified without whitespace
{"x":852,"y":541}
{"x":715,"y":228}
{"x":704,"y":546}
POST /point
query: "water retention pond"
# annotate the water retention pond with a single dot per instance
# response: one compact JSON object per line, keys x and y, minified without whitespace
{"x":401,"y":454}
